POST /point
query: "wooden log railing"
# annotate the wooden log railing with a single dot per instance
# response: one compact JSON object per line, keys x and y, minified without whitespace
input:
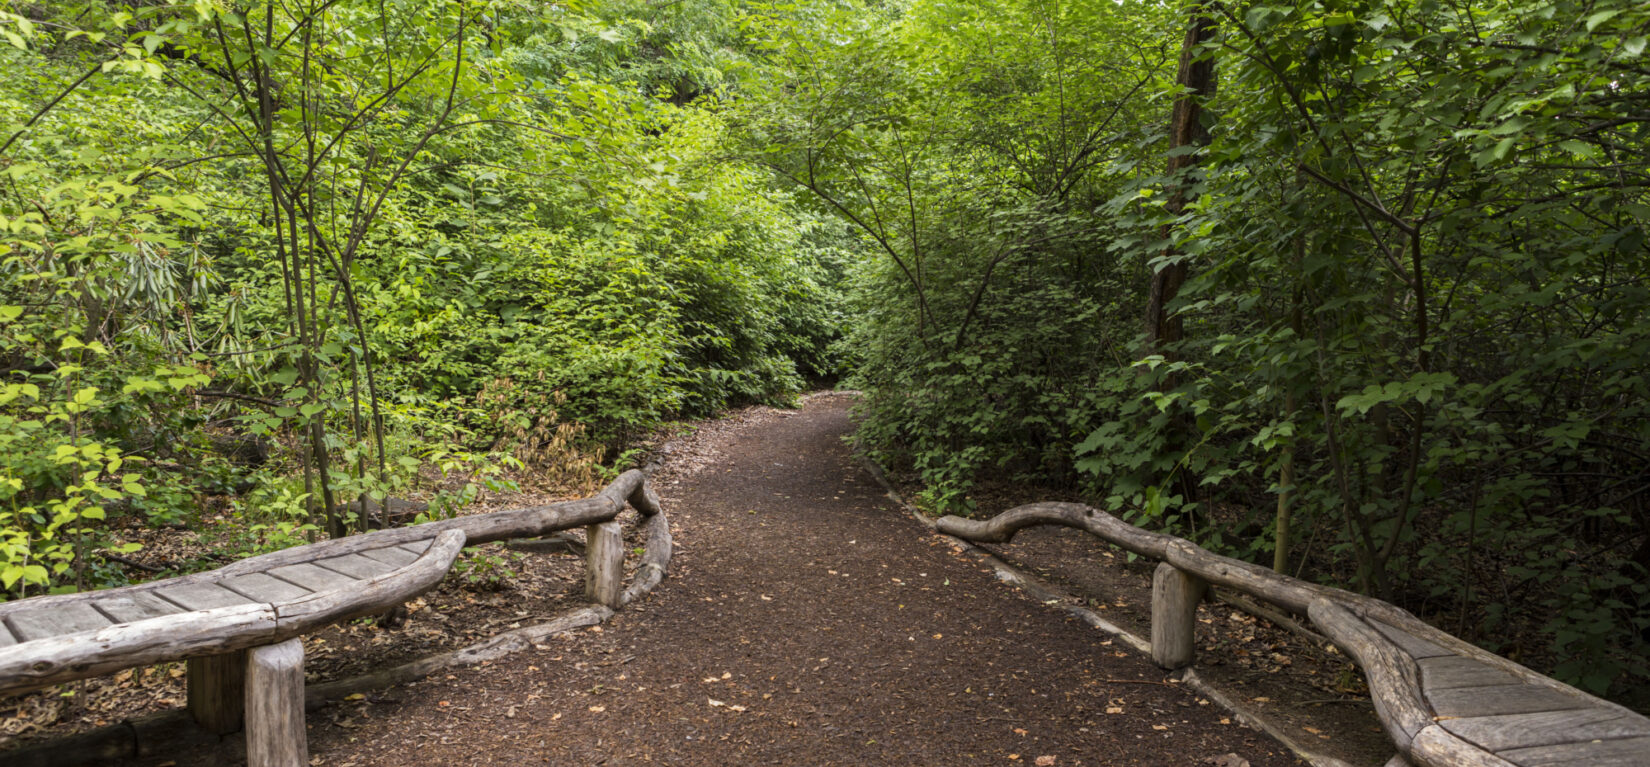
{"x":239,"y":626}
{"x":1443,"y":701}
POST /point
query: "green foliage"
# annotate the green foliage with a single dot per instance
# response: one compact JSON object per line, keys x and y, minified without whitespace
{"x":482,"y":571}
{"x":328,"y":232}
{"x":1418,"y":263}
{"x":1417,"y":246}
{"x":958,"y":141}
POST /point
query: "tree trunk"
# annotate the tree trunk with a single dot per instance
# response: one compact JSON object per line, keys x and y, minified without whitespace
{"x":1196,"y":81}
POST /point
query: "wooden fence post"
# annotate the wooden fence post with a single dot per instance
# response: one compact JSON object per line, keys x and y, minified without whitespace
{"x":1175,"y":594}
{"x":604,"y":564}
{"x":217,"y":691}
{"x":275,"y":734}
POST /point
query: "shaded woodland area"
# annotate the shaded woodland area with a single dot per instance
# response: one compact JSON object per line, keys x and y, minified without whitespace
{"x":1352,"y":289}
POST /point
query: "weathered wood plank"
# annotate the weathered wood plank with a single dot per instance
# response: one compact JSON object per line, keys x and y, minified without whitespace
{"x":373,"y":595}
{"x":1501,"y":699}
{"x":1175,"y":596}
{"x":217,"y":691}
{"x":1416,"y":647}
{"x":604,"y":563}
{"x":415,"y":547}
{"x":262,"y":587}
{"x":201,"y":596}
{"x":38,"y":663}
{"x":313,"y":578}
{"x":1622,"y":752}
{"x":1436,"y":747}
{"x":1394,"y":680}
{"x":125,"y":608}
{"x":393,"y":556}
{"x":1453,"y":671}
{"x":275,"y":734}
{"x":526,"y":522}
{"x":1546,"y":728}
{"x":58,"y":621}
{"x":355,"y":566}
{"x":170,"y":619}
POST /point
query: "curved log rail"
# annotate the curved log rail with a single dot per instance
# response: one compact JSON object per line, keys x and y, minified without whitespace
{"x":1443,"y":701}
{"x":239,"y":625}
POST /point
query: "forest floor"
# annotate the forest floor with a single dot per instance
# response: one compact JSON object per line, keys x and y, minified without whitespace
{"x":806,"y":620}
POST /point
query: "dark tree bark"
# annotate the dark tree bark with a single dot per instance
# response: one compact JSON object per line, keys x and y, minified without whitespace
{"x":1196,"y":80}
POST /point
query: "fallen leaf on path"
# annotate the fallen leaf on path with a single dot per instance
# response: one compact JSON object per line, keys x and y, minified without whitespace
{"x":1226,"y":760}
{"x":1045,"y":761}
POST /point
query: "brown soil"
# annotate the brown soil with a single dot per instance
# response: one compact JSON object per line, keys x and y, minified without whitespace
{"x":806,"y":620}
{"x":1312,"y":691}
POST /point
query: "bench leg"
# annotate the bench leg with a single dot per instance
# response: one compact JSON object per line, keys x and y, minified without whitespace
{"x":1175,"y":595}
{"x":217,"y":691}
{"x":604,"y":564}
{"x":275,"y":734}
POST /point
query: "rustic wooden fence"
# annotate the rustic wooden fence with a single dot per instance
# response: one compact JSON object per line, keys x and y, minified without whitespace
{"x":1443,"y":701}
{"x":240,"y":626}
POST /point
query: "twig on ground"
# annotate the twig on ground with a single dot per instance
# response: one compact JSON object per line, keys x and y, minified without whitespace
{"x":112,"y":557}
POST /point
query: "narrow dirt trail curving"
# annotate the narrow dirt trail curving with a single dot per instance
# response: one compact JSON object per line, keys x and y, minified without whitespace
{"x":806,"y":621}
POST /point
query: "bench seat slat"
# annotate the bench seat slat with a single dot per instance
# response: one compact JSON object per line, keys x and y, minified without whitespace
{"x":1453,"y":671}
{"x":393,"y":556}
{"x":1501,"y":699}
{"x":416,"y":547}
{"x":1622,"y":752}
{"x":263,"y":588}
{"x":136,"y":606}
{"x":202,"y":596}
{"x":71,"y":618}
{"x":1415,"y":646}
{"x":355,"y":566}
{"x":1546,"y":728}
{"x":313,"y":578}
{"x":6,"y":639}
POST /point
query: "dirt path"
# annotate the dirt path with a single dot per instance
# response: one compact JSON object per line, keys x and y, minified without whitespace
{"x":805,"y":622}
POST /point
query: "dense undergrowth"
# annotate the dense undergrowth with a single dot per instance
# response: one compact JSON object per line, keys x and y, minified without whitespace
{"x":1356,"y":289}
{"x":1375,"y":312}
{"x":311,"y":255}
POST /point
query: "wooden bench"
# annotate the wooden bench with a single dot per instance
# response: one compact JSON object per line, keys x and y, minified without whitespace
{"x":239,"y":626}
{"x":1444,"y":701}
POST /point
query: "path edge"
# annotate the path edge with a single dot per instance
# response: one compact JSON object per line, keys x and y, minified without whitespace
{"x":1051,"y":595}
